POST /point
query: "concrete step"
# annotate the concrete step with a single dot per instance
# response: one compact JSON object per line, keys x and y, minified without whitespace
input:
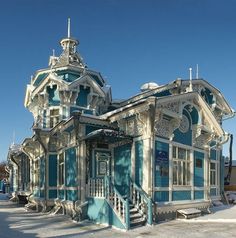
{"x":135,"y":216}
{"x":137,"y":222}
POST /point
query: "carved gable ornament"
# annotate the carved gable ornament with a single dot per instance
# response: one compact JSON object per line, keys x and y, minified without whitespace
{"x":169,"y":117}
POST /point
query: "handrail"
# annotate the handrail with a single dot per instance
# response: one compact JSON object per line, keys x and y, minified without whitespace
{"x":138,"y":196}
{"x":95,"y":187}
{"x":117,"y":202}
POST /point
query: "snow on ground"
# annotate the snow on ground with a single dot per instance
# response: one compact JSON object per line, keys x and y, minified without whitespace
{"x":16,"y":222}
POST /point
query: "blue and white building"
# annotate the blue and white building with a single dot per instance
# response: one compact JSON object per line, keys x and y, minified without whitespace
{"x":127,"y":162}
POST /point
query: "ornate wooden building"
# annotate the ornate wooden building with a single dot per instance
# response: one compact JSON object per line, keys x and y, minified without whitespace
{"x":122,"y":163}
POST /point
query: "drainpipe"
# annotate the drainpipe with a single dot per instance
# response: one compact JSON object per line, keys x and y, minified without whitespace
{"x":228,"y":177}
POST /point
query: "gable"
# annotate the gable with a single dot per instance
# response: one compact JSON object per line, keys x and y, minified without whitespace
{"x":87,"y":81}
{"x":200,"y":112}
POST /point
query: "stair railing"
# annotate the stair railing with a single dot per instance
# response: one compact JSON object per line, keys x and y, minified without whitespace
{"x":95,"y":187}
{"x":141,"y":201}
{"x":119,"y":205}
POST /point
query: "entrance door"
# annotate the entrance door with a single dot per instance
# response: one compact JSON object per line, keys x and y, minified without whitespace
{"x":102,"y":160}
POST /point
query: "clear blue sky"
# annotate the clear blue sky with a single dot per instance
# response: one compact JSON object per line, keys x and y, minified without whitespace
{"x":129,"y":41}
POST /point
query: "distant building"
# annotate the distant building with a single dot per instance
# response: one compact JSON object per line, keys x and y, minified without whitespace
{"x":123,"y":163}
{"x":233,"y":172}
{"x":19,"y":169}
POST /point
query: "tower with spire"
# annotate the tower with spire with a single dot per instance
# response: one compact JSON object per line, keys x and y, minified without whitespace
{"x":67,"y":85}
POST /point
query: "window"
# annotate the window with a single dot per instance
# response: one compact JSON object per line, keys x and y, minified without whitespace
{"x":213,"y":173}
{"x":61,"y":169}
{"x":181,"y":166}
{"x":54,"y":117}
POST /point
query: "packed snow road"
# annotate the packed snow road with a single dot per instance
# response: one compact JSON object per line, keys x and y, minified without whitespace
{"x":16,"y":222}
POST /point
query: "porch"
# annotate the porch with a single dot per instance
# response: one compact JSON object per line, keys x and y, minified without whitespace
{"x":107,"y":205}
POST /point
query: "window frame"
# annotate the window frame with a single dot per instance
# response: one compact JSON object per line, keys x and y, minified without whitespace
{"x":181,"y":172}
{"x":213,"y":173}
{"x":54,"y":118}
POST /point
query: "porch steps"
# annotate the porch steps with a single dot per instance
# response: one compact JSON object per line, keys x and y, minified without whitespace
{"x":136,"y":219}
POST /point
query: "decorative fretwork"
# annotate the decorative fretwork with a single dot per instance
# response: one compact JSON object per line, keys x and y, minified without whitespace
{"x":173,"y":106}
{"x":165,"y":128}
{"x":133,"y":126}
{"x":203,"y":140}
{"x":184,"y":124}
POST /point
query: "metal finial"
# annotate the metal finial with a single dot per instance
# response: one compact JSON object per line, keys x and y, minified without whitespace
{"x":68,"y":28}
{"x":190,"y":78}
{"x":13,"y":137}
{"x":190,"y":73}
{"x":197,"y":72}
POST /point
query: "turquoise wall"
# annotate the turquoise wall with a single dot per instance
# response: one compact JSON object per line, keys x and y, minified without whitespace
{"x":82,"y":99}
{"x":161,"y":196}
{"x":198,"y":172}
{"x":139,"y":162}
{"x":122,"y":163}
{"x":70,"y":167}
{"x":52,"y":175}
{"x":100,"y":211}
{"x":71,"y":173}
{"x":52,"y":193}
{"x":52,"y":163}
{"x":184,"y":138}
{"x":198,"y":194}
{"x":213,"y":154}
{"x":181,"y":195}
{"x":161,"y":164}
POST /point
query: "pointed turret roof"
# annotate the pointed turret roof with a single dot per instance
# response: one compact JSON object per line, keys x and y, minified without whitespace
{"x":69,"y":55}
